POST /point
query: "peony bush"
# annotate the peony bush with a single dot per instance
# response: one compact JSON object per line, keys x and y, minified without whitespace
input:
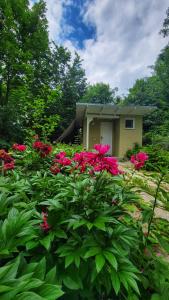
{"x":66,"y":231}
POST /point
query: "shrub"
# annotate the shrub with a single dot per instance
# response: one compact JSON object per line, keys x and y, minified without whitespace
{"x":69,"y":232}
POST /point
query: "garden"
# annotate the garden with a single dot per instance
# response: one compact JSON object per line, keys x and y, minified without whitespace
{"x":74,"y":225}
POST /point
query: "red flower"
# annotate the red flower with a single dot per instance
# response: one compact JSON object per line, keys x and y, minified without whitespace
{"x":102,"y":149}
{"x":45,"y":226}
{"x":5,"y":156}
{"x":18,"y":147}
{"x":62,"y":159}
{"x":43,"y":149}
{"x":139,"y":160}
{"x":37,"y":145}
{"x":54,"y":169}
{"x":9,"y":166}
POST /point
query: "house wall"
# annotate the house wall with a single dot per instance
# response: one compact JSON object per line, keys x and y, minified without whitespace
{"x":123,"y":138}
{"x":128,"y":137}
{"x":84,"y":132}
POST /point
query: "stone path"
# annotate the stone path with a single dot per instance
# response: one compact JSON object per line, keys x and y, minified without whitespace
{"x":149,"y":199}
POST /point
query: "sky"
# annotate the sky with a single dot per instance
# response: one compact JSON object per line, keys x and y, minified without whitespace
{"x":118,"y":40}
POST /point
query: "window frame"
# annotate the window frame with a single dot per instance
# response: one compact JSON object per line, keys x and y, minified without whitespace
{"x":129,"y":119}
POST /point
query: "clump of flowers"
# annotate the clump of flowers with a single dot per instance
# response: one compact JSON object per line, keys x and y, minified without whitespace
{"x":18,"y":147}
{"x":60,"y":161}
{"x":88,"y":161}
{"x":43,"y":149}
{"x":97,"y":161}
{"x":139,"y":159}
{"x":8,"y":161}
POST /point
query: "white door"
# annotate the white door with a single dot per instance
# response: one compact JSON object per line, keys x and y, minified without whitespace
{"x":106,"y":134}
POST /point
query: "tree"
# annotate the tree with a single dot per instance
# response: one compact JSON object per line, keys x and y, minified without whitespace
{"x":39,"y":84}
{"x":70,"y":76}
{"x":100,"y":93}
{"x":165,"y":30}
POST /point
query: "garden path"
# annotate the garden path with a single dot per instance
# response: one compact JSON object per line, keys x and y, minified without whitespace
{"x":147,"y":186}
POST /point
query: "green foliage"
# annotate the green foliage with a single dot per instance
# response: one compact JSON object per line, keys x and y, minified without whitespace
{"x":21,"y":280}
{"x":158,"y":158}
{"x":91,"y":245}
{"x":100,"y":93}
{"x":33,"y":74}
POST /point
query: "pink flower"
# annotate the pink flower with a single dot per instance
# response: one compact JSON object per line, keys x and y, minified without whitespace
{"x":139,"y":160}
{"x":45,"y":226}
{"x":60,"y":155}
{"x":18,"y":147}
{"x":102,"y":149}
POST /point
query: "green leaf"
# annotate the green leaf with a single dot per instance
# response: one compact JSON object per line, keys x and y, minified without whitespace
{"x":115,"y":281}
{"x":92,"y":252}
{"x":46,"y":242}
{"x":5,"y":288}
{"x":31,"y":244}
{"x":100,"y":261}
{"x":132,"y":282}
{"x":111,"y":259}
{"x":70,"y":283}
{"x":28,"y":296}
{"x":60,"y":234}
{"x":51,"y":276}
{"x":34,"y":283}
{"x":77,"y":261}
{"x":164,"y":244}
{"x":100,"y":223}
{"x":12,"y":271}
{"x":68,"y":260}
{"x":155,"y":297}
{"x":50,"y":292}
{"x":41,"y":269}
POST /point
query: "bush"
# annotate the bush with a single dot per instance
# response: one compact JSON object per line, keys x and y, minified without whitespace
{"x":158,"y":158}
{"x":69,"y":235}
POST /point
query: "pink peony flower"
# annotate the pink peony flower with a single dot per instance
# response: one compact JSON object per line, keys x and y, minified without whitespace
{"x":102,"y":149}
{"x":139,"y":160}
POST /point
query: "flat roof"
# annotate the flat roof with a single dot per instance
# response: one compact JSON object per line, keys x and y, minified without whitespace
{"x":110,"y":109}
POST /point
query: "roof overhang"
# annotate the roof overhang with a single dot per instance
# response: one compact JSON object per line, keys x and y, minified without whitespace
{"x":84,"y":109}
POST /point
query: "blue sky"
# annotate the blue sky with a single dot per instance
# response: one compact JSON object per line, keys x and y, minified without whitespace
{"x":78,"y":31}
{"x":117,"y":39}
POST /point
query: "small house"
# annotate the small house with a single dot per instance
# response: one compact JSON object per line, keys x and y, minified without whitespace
{"x":118,"y":126}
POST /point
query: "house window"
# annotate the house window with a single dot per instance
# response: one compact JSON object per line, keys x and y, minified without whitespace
{"x":129,"y":123}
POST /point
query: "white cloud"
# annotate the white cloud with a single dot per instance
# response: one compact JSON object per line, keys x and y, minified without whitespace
{"x":127,"y":42}
{"x":127,"y":37}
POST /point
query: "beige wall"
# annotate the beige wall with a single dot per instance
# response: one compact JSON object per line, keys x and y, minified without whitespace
{"x":123,"y":138}
{"x":128,"y":137}
{"x":84,"y":132}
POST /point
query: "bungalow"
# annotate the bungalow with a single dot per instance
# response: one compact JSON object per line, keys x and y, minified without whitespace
{"x":118,"y":126}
